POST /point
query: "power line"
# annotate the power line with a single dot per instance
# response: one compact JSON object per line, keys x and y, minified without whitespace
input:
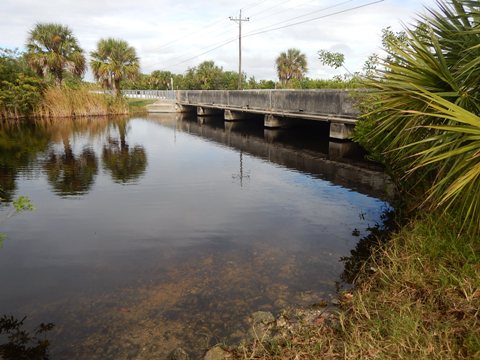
{"x":253,"y":5}
{"x":271,"y":7}
{"x":267,"y":29}
{"x":220,"y":20}
{"x":228,"y":41}
{"x":205,"y":52}
{"x":196,"y":32}
{"x":316,"y":18}
{"x":304,"y":15}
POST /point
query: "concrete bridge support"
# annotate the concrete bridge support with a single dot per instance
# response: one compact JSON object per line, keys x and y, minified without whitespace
{"x":205,"y":111}
{"x":230,"y":115}
{"x":341,"y":131}
{"x":276,"y":122}
{"x":179,"y":108}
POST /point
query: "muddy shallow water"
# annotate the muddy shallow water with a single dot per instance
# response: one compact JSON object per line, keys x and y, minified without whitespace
{"x":157,"y":232}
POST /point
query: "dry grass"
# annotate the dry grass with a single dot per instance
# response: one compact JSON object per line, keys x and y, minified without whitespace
{"x":73,"y":103}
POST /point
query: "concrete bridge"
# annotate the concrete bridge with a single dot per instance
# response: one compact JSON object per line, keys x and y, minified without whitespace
{"x":280,"y":108}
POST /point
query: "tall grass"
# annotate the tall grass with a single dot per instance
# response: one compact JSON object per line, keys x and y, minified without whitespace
{"x":63,"y":102}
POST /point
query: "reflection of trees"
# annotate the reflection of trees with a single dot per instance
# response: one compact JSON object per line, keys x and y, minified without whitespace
{"x":124,"y":163}
{"x":71,"y":174}
{"x":7,"y":183}
{"x":18,"y":343}
{"x":20,"y":145}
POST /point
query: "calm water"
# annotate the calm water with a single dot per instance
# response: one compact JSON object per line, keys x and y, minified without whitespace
{"x":152,"y":233}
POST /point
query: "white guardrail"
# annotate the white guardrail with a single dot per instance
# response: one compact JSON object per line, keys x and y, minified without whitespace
{"x":143,"y":94}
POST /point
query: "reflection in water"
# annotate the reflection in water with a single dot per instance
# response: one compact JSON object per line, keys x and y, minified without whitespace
{"x":307,"y":150}
{"x":184,"y":255}
{"x":70,"y":174}
{"x":19,"y":344}
{"x":241,"y":175}
{"x":124,"y":164}
{"x":19,"y":147}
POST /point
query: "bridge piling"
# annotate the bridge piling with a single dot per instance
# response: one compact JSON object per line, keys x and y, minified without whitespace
{"x":207,"y":111}
{"x":230,"y":115}
{"x":276,"y":122}
{"x":341,"y":131}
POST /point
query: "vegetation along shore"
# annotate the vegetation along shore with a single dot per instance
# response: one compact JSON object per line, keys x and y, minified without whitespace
{"x":416,"y":278}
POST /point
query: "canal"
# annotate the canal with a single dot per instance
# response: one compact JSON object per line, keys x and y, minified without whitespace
{"x":155,"y":232}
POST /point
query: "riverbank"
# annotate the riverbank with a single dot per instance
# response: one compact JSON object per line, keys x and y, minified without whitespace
{"x":417,"y":296}
{"x":66,"y":102}
{"x":138,"y":106}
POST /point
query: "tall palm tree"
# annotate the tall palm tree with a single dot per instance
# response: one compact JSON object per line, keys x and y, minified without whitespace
{"x":52,"y":49}
{"x":113,"y":61}
{"x":291,"y":65}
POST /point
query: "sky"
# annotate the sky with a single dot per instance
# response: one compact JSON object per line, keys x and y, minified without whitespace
{"x":177,"y":34}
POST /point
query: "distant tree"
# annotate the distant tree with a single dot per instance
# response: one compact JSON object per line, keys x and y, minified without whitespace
{"x":291,"y":64}
{"x":20,"y":88}
{"x":209,"y":75}
{"x":160,"y":80}
{"x":230,"y":80}
{"x":52,"y":49}
{"x":266,"y":84}
{"x":332,"y":59}
{"x":113,"y":61}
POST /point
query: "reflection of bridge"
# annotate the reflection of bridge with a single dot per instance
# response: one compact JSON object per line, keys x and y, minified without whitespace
{"x":334,"y":165}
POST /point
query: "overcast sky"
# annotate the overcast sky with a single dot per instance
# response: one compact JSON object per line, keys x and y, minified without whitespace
{"x":173,"y":34}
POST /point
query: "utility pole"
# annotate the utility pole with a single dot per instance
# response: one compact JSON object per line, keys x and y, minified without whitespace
{"x":239,"y":20}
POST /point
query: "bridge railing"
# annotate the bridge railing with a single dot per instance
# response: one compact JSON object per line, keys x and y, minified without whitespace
{"x":144,"y":94}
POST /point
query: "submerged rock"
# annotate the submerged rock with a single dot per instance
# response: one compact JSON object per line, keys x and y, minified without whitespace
{"x":217,"y":353}
{"x":178,"y":354}
{"x":263,"y":317}
{"x":262,"y":325}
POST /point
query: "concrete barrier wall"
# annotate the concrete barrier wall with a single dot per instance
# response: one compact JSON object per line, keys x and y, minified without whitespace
{"x":326,"y":101}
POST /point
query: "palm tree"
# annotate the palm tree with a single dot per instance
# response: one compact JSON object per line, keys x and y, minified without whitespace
{"x":113,"y":61}
{"x":426,"y":109}
{"x":291,"y":65}
{"x":52,"y":49}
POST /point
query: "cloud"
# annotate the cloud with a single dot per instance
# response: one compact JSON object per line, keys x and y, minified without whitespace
{"x":196,"y":26}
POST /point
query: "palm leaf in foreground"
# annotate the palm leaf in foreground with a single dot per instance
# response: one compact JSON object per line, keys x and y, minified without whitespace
{"x":426,"y":106}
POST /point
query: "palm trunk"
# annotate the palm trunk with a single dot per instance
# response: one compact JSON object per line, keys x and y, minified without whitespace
{"x":118,"y":91}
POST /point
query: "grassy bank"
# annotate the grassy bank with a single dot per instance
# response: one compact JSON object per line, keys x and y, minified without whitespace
{"x":64,"y":102}
{"x":138,"y":106}
{"x":418,"y":297}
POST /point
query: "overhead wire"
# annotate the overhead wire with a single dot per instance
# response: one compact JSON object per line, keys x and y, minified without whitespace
{"x":225,"y":41}
{"x":268,"y":28}
{"x":230,"y":40}
{"x":316,"y":18}
{"x":218,"y":21}
{"x":304,"y":15}
{"x":253,"y":5}
{"x":269,"y":8}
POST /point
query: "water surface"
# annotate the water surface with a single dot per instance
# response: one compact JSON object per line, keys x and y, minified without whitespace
{"x":157,"y":232}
